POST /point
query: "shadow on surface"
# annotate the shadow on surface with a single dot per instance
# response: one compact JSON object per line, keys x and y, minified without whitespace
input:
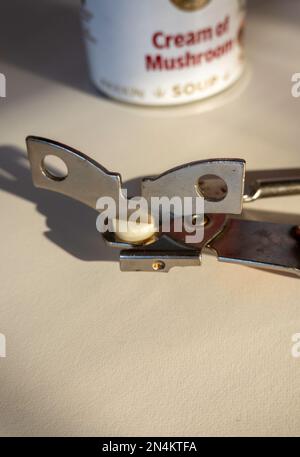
{"x":45,"y":38}
{"x":72,"y":225}
{"x":289,"y":14}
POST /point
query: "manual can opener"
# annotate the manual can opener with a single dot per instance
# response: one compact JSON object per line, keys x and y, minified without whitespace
{"x":227,"y":188}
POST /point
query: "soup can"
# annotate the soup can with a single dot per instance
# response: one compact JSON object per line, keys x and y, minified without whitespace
{"x":164,"y":52}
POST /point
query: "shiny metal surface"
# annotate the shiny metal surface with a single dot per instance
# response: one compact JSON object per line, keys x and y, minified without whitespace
{"x":271,"y":183}
{"x":183,"y":182}
{"x":86,"y":180}
{"x":170,"y":249}
{"x":259,"y":244}
{"x":256,"y":243}
{"x":165,"y":253}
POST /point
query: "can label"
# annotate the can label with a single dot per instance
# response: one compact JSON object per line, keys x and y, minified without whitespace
{"x":164,"y":52}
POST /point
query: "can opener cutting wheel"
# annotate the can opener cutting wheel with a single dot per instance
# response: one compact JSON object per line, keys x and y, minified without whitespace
{"x":256,"y":243}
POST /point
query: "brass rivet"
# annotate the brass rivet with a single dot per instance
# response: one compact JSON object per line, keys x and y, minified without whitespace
{"x":204,"y":220}
{"x":158,"y":265}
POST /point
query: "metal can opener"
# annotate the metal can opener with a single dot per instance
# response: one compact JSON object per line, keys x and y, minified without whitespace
{"x":226,"y":189}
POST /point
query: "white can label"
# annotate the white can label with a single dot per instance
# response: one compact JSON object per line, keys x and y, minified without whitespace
{"x":161,"y":52}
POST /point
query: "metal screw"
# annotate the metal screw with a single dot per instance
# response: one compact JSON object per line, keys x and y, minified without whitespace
{"x":158,"y":265}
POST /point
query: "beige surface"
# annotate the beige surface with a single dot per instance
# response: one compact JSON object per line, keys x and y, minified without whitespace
{"x":200,"y":351}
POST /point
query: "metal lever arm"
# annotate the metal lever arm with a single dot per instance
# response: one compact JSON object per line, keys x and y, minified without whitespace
{"x":86,"y":180}
{"x":260,"y":244}
{"x":184,"y":181}
{"x":271,"y":183}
